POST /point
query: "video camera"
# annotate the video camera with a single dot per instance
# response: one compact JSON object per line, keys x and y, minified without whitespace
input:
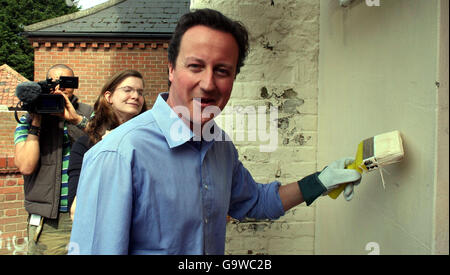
{"x":36,"y":97}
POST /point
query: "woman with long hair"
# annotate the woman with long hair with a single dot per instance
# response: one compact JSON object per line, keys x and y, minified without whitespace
{"x":120,"y":99}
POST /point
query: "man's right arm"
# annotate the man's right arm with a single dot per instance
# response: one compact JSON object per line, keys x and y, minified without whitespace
{"x":27,"y":148}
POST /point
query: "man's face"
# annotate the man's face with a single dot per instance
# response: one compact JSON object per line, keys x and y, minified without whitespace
{"x":205,"y":70}
{"x":55,"y":74}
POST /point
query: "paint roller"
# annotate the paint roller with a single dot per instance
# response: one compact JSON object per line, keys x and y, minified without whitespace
{"x":374,"y":153}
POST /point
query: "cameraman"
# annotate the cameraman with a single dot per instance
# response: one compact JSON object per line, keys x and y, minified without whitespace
{"x":42,"y":150}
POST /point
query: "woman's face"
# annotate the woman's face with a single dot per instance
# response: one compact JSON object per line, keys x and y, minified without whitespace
{"x":127,"y":99}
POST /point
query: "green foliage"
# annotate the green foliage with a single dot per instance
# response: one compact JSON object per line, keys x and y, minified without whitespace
{"x":15,"y":49}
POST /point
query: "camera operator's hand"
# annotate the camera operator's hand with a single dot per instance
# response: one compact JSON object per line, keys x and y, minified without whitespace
{"x":70,"y":114}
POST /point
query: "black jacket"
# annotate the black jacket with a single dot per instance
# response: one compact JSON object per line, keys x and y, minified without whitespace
{"x":79,"y":148}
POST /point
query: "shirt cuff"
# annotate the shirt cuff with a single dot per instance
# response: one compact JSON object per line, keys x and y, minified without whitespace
{"x":277,"y":209}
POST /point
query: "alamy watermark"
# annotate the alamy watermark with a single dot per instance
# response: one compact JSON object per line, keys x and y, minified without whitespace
{"x":369,"y":3}
{"x":71,"y":3}
{"x":373,"y":3}
{"x":373,"y":248}
{"x":247,"y":124}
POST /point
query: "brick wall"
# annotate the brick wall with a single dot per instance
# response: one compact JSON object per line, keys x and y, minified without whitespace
{"x":7,"y":126}
{"x":95,"y":62}
{"x":13,"y":217}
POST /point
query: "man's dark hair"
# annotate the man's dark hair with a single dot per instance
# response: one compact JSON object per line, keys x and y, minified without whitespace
{"x":212,"y":19}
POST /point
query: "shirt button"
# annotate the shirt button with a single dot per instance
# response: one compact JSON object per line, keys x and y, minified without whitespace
{"x":206,"y":220}
{"x":206,"y":186}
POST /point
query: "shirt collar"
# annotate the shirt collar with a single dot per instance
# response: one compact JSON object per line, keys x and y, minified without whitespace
{"x":173,"y":128}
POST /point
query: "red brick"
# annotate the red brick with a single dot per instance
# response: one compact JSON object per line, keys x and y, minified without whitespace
{"x":10,"y":190}
{"x":22,"y":212}
{"x":11,"y":182}
{"x":3,"y":162}
{"x":21,"y":226}
{"x":10,"y":228}
{"x":11,"y":163}
{"x":11,"y":212}
{"x":10,"y":205}
{"x":10,"y":220}
{"x":10,"y":197}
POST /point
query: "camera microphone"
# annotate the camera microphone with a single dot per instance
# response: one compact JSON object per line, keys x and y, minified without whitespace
{"x":27,"y":92}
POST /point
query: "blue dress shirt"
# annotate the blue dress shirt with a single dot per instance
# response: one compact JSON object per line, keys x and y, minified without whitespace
{"x":148,"y":188}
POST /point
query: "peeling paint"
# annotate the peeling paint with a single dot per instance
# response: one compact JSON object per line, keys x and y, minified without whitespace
{"x":278,"y":172}
{"x":290,"y":105}
{"x":264,"y":92}
{"x":283,"y":123}
{"x":300,"y":139}
{"x":254,"y":226}
{"x":289,"y":93}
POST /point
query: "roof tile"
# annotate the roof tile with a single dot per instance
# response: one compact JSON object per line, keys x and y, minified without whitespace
{"x":150,"y":16}
{"x":9,"y":79}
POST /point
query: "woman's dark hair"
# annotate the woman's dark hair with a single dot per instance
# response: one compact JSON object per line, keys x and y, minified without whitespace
{"x":215,"y":20}
{"x":105,"y":118}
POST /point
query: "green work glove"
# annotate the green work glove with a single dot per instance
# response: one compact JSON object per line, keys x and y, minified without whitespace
{"x":321,"y":183}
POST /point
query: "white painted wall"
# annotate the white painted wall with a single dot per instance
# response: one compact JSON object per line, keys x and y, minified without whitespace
{"x":378,"y":68}
{"x":376,"y":72}
{"x":441,"y":238}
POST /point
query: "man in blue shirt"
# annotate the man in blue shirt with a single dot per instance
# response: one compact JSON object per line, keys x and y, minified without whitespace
{"x":156,"y":185}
